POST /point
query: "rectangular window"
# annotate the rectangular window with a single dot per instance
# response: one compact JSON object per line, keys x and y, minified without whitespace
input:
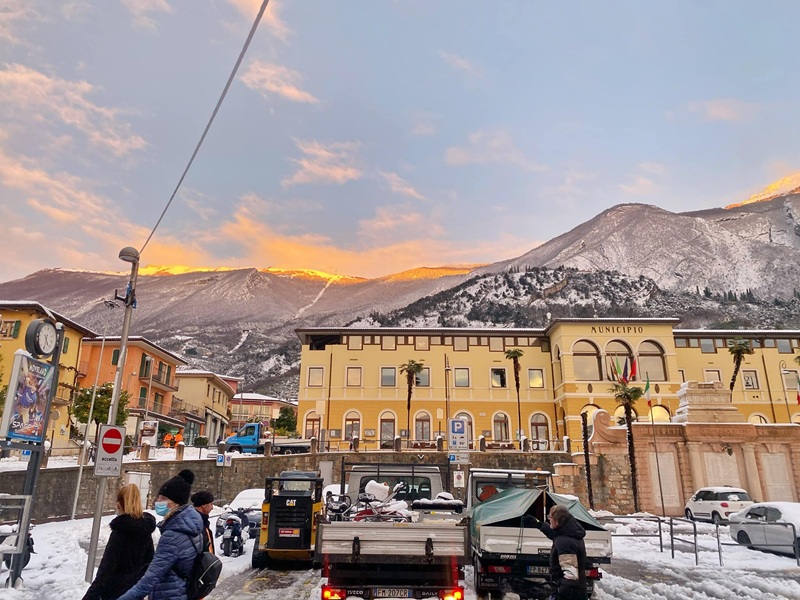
{"x":768,"y":344}
{"x":682,"y":374}
{"x":315,"y":375}
{"x":65,"y":347}
{"x":789,"y":379}
{"x":496,"y":344}
{"x":755,"y":343}
{"x":388,"y":342}
{"x":498,"y":378}
{"x":750,"y":379}
{"x":536,"y":378}
{"x":680,"y":342}
{"x":694,"y":343}
{"x":354,"y":376}
{"x":355,"y":342}
{"x":424,"y":377}
{"x":421,"y":342}
{"x":388,"y":377}
{"x":460,"y":344}
{"x":115,"y":356}
{"x":785,"y":346}
{"x":712,"y":375}
{"x":707,"y":346}
{"x":461,"y":377}
{"x":720,"y":343}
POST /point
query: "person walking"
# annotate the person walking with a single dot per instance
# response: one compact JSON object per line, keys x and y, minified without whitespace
{"x":168,"y":439}
{"x":203,"y":502}
{"x":129,"y":549}
{"x":181,"y":541}
{"x":568,"y":556}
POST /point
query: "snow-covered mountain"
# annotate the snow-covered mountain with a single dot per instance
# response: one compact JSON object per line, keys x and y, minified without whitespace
{"x":735,"y":267}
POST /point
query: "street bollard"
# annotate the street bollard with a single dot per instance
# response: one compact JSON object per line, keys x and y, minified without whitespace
{"x":268,"y":448}
{"x":221,"y":448}
{"x":355,"y":441}
{"x":180,"y":448}
{"x":440,"y":444}
{"x":314,"y":445}
{"x":482,"y":444}
{"x":144,"y":453}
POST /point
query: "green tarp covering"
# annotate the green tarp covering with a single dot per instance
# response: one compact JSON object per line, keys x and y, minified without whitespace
{"x":508,"y":507}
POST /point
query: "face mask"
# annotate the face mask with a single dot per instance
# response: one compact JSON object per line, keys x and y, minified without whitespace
{"x":161,"y":509}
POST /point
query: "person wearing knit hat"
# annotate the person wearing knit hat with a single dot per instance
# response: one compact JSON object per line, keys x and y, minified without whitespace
{"x":203,"y":502}
{"x":181,"y":541}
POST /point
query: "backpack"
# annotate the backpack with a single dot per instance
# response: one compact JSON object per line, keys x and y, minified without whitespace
{"x":203,"y":576}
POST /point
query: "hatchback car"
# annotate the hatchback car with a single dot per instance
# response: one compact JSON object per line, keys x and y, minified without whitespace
{"x":716,"y":504}
{"x":773,"y":526}
{"x":249,"y":501}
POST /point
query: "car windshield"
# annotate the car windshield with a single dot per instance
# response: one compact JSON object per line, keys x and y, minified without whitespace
{"x":734,"y":496}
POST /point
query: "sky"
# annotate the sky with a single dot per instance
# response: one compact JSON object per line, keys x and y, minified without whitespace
{"x":368,"y":137}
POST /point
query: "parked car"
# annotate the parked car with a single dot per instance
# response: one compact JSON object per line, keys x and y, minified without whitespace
{"x":716,"y":504}
{"x":250,"y":502}
{"x":773,"y":526}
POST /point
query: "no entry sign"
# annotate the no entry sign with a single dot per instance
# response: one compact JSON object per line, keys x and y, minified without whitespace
{"x":109,"y":451}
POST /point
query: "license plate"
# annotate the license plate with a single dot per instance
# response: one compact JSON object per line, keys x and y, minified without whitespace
{"x":538,"y":570}
{"x":392,"y":593}
{"x":227,"y":533}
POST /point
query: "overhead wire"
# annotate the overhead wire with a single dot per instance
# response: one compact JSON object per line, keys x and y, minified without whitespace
{"x":211,"y":120}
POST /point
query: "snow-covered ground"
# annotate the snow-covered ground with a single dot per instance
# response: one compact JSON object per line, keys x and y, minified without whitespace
{"x":13,"y":463}
{"x":639,"y":569}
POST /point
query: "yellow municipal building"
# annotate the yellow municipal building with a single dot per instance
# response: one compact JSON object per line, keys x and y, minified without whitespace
{"x":351,"y":384}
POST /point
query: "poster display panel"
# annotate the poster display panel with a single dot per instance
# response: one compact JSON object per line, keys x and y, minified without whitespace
{"x":28,"y":399}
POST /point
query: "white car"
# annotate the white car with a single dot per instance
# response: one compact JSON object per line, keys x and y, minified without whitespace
{"x":250,"y":500}
{"x":773,"y":526}
{"x":716,"y":504}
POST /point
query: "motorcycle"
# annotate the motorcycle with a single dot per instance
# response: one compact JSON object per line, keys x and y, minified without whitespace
{"x":232,"y":542}
{"x":8,"y":536}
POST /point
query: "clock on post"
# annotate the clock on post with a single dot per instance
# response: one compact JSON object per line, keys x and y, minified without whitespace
{"x":41,"y":338}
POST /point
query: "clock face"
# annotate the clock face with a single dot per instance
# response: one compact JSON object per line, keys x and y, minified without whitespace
{"x":46,"y":338}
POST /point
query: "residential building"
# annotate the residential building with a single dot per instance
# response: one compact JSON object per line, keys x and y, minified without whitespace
{"x":210,"y":392}
{"x":148,"y":376}
{"x":351,"y":382}
{"x":15,"y":316}
{"x":248,"y":407}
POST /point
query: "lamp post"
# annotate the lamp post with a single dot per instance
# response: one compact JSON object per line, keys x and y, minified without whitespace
{"x":130,"y":255}
{"x":784,"y":371}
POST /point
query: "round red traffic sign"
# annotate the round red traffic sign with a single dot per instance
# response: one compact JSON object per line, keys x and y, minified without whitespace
{"x":111,"y":441}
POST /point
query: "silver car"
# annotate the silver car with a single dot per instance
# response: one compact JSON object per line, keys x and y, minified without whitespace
{"x":773,"y":526}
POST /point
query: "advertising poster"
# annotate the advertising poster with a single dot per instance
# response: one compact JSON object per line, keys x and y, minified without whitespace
{"x":28,"y":399}
{"x":149,"y":433}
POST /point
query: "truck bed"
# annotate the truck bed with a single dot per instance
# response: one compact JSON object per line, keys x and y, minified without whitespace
{"x":495,"y":540}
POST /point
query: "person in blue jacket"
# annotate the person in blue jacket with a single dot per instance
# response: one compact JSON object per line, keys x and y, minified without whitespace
{"x":180,"y":543}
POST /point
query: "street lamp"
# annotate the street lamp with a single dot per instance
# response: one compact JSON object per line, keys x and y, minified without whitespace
{"x":784,"y":371}
{"x":130,"y":255}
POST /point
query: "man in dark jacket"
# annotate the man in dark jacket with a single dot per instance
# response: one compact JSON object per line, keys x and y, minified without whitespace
{"x":568,"y":556}
{"x":203,"y":502}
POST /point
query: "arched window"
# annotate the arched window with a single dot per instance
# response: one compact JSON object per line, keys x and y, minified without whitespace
{"x":540,"y":432}
{"x":500,"y":427}
{"x":757,"y":419}
{"x":586,"y":361}
{"x":387,"y":430}
{"x":468,"y":419}
{"x":617,"y":353}
{"x":422,"y":427}
{"x":651,"y":362}
{"x":659,"y":413}
{"x":312,"y":425}
{"x":619,"y":415}
{"x":590,"y":409}
{"x":352,"y":425}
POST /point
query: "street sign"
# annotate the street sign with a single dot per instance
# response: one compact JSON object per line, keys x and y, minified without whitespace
{"x":109,"y":451}
{"x":25,"y":455}
{"x":228,"y":460}
{"x":459,"y":479}
{"x":220,"y":460}
{"x":459,"y":458}
{"x":457,"y":434}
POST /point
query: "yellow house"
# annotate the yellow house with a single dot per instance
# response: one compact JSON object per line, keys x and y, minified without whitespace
{"x":210,"y":392}
{"x":15,"y":316}
{"x":351,"y":383}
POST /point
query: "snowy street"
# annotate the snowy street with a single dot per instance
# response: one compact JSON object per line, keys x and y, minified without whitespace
{"x":638,"y":570}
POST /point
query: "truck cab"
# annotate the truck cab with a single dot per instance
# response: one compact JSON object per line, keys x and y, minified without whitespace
{"x":249,"y":439}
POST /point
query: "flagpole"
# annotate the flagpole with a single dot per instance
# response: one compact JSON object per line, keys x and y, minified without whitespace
{"x":655,"y":448}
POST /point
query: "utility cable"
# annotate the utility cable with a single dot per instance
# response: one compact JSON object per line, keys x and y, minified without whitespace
{"x":211,"y":120}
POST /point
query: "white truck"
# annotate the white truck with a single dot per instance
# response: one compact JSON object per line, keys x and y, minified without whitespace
{"x":507,"y":553}
{"x":396,"y":533}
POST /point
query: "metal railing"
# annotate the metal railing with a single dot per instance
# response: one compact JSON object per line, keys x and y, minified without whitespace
{"x":659,"y":520}
{"x":795,"y":544}
{"x":673,"y":538}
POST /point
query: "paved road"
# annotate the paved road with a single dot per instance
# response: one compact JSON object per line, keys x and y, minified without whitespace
{"x":267,"y":584}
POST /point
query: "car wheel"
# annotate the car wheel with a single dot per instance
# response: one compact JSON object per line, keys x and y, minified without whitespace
{"x":743,"y":539}
{"x":236,"y":449}
{"x":259,"y":560}
{"x":689,"y":515}
{"x":716,"y":519}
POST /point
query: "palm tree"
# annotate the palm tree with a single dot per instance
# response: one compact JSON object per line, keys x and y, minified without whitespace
{"x":738,"y":348}
{"x":626,"y":396}
{"x":411,"y":369}
{"x":513,"y":355}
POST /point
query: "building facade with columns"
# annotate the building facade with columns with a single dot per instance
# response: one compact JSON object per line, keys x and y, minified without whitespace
{"x":351,"y":382}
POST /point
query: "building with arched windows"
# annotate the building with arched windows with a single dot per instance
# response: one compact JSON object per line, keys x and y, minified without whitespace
{"x":351,"y":383}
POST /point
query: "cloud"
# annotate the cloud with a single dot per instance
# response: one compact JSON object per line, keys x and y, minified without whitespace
{"x":654,"y":168}
{"x":398,"y":222}
{"x":398,"y":185}
{"x":331,"y":163}
{"x":265,"y":77}
{"x":13,"y":13}
{"x":143,"y":9}
{"x":271,"y":18}
{"x":640,"y":186}
{"x":461,"y":63}
{"x":423,"y":125}
{"x":722,"y":109}
{"x":490,"y":146}
{"x":29,"y":94}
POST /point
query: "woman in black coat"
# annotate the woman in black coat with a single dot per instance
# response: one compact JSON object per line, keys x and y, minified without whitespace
{"x":129,"y":549}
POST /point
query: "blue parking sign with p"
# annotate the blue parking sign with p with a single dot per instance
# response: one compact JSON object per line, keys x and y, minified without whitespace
{"x":458,"y":426}
{"x":457,"y":438}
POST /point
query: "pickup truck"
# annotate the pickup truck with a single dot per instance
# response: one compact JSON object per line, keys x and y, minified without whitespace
{"x":250,"y":439}
{"x":396,"y":533}
{"x":507,"y":555}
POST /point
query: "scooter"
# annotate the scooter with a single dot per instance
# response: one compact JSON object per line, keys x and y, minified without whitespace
{"x":8,"y":536}
{"x":232,"y":542}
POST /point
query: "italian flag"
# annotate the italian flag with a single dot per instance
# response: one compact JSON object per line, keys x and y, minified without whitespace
{"x":798,"y":387}
{"x":650,"y":404}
